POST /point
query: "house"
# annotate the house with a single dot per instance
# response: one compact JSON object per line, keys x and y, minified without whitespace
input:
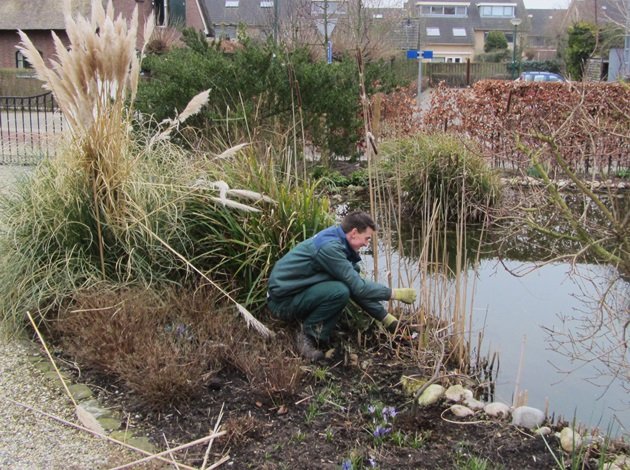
{"x":456,"y":30}
{"x":600,"y":13}
{"x":545,"y":29}
{"x":37,"y":18}
{"x":597,"y":12}
{"x":293,"y":22}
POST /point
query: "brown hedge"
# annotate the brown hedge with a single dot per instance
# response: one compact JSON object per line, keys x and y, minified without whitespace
{"x":590,"y":122}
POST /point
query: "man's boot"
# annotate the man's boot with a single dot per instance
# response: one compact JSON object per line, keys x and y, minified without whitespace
{"x":307,"y":348}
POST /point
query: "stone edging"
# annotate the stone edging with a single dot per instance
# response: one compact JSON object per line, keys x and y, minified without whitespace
{"x":84,"y":396}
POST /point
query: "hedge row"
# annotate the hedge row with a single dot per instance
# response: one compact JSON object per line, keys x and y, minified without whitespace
{"x":589,"y":122}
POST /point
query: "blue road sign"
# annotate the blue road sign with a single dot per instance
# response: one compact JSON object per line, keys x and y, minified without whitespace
{"x":329,"y":52}
{"x":414,"y":54}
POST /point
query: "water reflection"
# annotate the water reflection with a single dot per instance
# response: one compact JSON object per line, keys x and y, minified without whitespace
{"x":529,"y":307}
{"x":518,"y":313}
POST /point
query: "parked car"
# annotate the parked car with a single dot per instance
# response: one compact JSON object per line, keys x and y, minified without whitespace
{"x":531,"y":76}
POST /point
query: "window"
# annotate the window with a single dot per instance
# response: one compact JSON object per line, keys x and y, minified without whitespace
{"x":509,"y":36}
{"x":169,"y":12}
{"x":231,"y":3}
{"x":459,"y":32}
{"x":497,"y":11}
{"x":21,"y":62}
{"x":224,"y":31}
{"x":444,"y":10}
{"x":455,"y":60}
{"x":329,"y":7}
{"x":266,"y":3}
{"x":160,"y":12}
{"x":433,"y":31}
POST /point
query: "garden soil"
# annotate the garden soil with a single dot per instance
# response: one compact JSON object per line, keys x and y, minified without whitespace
{"x":328,"y":423}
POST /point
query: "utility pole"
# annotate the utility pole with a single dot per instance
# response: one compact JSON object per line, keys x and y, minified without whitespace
{"x":275,"y":21}
{"x":325,"y":28}
{"x":626,"y":45}
{"x":419,"y":48}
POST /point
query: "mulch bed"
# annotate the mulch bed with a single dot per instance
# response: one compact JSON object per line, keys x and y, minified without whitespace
{"x":327,"y":422}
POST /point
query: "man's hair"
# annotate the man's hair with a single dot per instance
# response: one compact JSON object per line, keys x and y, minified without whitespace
{"x":359,"y":220}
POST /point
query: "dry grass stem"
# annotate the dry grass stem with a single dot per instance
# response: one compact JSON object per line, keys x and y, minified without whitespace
{"x":82,"y":428}
{"x":50,"y":358}
{"x":170,"y":451}
{"x":215,"y":430}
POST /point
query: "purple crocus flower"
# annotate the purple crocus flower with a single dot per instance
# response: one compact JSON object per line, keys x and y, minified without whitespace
{"x":389,"y":411}
{"x":381,"y":431}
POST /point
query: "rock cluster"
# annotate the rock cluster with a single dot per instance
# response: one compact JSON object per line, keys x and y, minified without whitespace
{"x":464,"y":405}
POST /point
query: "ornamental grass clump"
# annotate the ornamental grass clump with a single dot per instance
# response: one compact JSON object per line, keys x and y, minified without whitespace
{"x":442,"y":169}
{"x":126,"y":208}
{"x":93,"y":80}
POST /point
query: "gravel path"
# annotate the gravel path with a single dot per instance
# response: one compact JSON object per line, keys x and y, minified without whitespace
{"x":29,"y":440}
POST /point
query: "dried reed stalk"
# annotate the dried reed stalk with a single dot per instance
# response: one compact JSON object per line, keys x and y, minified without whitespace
{"x":174,"y":449}
{"x":82,"y":428}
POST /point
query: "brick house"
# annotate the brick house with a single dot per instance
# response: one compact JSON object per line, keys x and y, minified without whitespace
{"x":37,"y":18}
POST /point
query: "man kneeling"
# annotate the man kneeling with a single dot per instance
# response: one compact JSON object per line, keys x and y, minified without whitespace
{"x":314,"y":282}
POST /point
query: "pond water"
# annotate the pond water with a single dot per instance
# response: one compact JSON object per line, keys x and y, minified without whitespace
{"x":516,"y":315}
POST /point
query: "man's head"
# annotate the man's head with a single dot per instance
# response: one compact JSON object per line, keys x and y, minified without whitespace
{"x":358,"y":227}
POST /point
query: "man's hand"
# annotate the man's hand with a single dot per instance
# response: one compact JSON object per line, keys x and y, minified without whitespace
{"x":405,"y":295}
{"x":390,"y":322}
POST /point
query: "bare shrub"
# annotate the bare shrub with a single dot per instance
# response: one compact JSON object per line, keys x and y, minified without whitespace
{"x":267,"y":365}
{"x":165,"y":346}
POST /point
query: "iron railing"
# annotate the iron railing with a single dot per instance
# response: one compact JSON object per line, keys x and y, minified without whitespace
{"x":30,"y":127}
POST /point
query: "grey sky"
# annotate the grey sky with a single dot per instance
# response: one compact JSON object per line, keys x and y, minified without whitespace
{"x":528,"y":3}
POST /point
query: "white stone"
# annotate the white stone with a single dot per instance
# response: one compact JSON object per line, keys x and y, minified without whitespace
{"x":620,"y":462}
{"x":474,"y":404}
{"x":457,"y":393}
{"x":431,"y":395}
{"x":497,"y":410}
{"x":570,"y":440}
{"x":461,"y":411}
{"x":543,"y":431}
{"x":527,"y":417}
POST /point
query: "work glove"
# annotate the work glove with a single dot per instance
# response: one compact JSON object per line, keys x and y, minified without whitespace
{"x":393,"y":325}
{"x":390,"y":322}
{"x":405,"y":295}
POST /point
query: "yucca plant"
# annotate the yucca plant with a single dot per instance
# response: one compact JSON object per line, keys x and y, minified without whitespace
{"x":245,"y":246}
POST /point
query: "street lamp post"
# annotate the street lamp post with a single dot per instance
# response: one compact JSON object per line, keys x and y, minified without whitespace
{"x":515,"y":22}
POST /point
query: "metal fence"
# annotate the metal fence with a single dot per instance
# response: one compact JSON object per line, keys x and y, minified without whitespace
{"x":465,"y":73}
{"x":454,"y":74}
{"x":30,"y":127}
